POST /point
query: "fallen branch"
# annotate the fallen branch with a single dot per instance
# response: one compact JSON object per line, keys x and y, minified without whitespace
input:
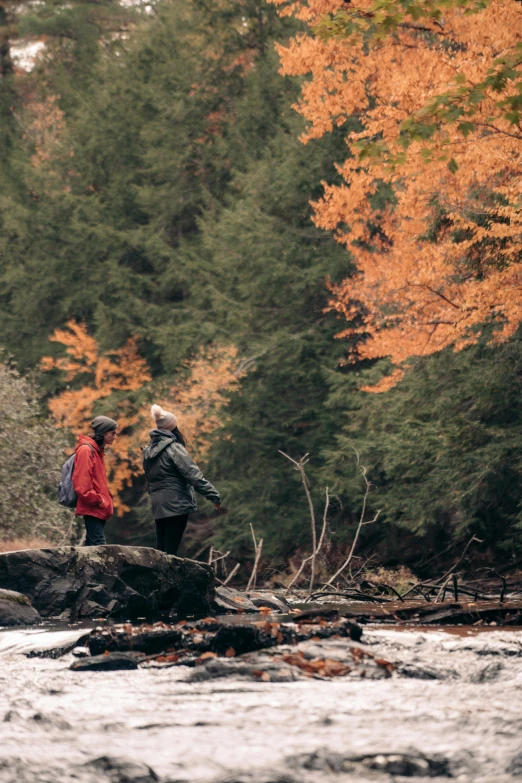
{"x":464,"y":590}
{"x":461,"y":558}
{"x":353,"y":594}
{"x":257,"y":547}
{"x":387,"y":586}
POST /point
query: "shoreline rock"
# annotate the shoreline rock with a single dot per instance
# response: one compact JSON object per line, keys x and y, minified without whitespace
{"x":16,"y":609}
{"x":115,"y":581}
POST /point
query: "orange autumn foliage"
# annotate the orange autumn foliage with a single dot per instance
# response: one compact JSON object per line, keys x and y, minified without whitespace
{"x":198,"y":398}
{"x":103,"y":374}
{"x":437,"y":88}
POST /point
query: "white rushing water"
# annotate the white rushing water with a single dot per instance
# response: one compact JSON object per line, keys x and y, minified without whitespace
{"x":452,"y":697}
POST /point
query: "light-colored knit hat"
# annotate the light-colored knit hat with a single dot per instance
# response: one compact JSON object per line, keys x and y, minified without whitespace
{"x":164,"y":420}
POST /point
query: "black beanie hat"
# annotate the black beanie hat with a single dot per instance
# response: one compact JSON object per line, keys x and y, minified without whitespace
{"x":102,"y":424}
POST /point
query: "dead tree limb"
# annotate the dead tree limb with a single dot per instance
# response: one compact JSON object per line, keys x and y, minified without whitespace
{"x":299,"y":466}
{"x":455,"y":588}
{"x":257,"y":547}
{"x":378,"y":585}
{"x":316,"y":551}
{"x":459,"y":561}
{"x":353,"y":594}
{"x":442,"y":592}
{"x":502,"y":579}
{"x":231,"y":574}
{"x":363,"y":471}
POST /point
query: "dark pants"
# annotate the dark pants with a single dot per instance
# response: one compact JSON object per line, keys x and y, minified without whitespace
{"x":169,"y":532}
{"x":95,"y":531}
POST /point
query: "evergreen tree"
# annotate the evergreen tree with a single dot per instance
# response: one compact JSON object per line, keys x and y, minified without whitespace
{"x":266,"y":270}
{"x":443,"y":450}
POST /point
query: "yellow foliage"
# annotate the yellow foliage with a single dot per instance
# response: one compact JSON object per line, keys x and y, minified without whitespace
{"x":104,"y":373}
{"x":424,"y":285}
{"x":197,"y":399}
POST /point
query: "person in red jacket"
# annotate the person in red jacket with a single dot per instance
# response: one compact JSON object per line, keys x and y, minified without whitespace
{"x":90,"y":479}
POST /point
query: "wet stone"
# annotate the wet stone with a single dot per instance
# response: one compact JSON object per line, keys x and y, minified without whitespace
{"x":219,"y":668}
{"x":16,"y":609}
{"x":121,"y":770}
{"x":425,"y":672}
{"x":515,"y":766}
{"x":149,"y":642}
{"x":256,"y":778}
{"x":232,"y":601}
{"x":270,"y":600}
{"x":408,"y":765}
{"x":488,"y":673}
{"x":81,"y":652}
{"x":103,"y":663}
{"x":242,"y":638}
{"x":404,"y":765}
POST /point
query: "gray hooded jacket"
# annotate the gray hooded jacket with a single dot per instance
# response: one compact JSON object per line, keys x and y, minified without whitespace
{"x":172,"y":476}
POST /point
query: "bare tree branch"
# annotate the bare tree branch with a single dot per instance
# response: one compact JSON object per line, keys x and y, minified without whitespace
{"x":363,"y":470}
{"x":257,"y":547}
{"x":231,"y":574}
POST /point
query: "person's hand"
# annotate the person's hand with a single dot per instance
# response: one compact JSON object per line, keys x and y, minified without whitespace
{"x":217,"y":506}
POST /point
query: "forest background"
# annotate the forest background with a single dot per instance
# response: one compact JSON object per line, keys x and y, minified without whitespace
{"x":162,"y":239}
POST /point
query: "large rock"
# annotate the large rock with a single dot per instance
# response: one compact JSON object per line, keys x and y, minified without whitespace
{"x":108,"y":581}
{"x":16,"y":609}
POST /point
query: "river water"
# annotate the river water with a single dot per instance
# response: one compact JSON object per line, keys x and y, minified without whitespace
{"x":451,"y":708}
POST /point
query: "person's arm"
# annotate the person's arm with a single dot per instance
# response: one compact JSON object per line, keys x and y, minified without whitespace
{"x":192,"y":474}
{"x":82,"y":476}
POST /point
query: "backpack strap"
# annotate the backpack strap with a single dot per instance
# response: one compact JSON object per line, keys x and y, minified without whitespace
{"x":87,"y":444}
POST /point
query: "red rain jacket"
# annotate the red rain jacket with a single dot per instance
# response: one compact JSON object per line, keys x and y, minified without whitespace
{"x":90,"y":480}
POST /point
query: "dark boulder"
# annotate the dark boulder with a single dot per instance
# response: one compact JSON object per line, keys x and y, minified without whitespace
{"x":108,"y":581}
{"x":16,"y":609}
{"x":122,"y":770}
{"x":245,"y":638}
{"x":148,"y":642}
{"x":402,"y":764}
{"x":106,"y":663}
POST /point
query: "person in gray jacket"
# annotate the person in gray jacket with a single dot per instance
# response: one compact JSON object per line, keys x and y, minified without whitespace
{"x":172,"y":477}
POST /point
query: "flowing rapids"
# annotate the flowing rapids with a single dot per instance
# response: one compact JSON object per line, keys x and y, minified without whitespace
{"x":451,"y":710}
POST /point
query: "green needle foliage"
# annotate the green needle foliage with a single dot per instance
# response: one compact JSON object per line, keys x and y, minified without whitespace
{"x":443,"y":451}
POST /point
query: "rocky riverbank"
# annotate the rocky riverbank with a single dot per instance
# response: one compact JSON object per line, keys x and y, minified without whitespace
{"x":235,"y":687}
